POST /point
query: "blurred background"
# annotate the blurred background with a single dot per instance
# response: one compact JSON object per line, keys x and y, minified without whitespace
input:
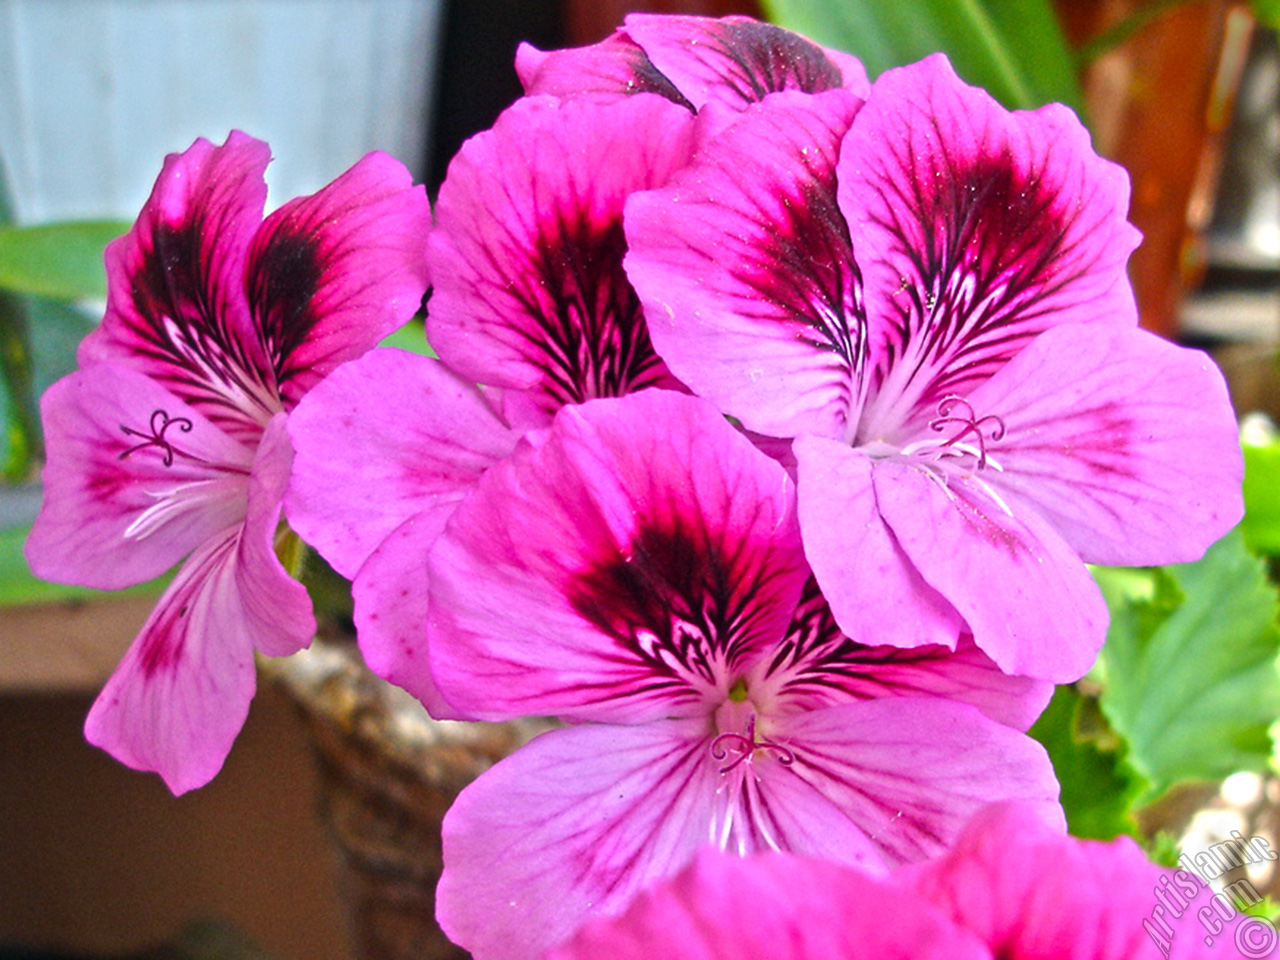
{"x":98,"y":861}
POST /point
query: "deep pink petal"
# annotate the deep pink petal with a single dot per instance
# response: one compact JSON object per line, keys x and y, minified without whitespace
{"x":875,"y":592}
{"x":380,"y":440}
{"x":176,"y":307}
{"x":571,"y":826}
{"x":134,"y":480}
{"x":738,"y":61}
{"x":1099,"y":901}
{"x":181,"y":694}
{"x":331,"y":274}
{"x":276,"y":607}
{"x":907,"y":771}
{"x":818,"y":666}
{"x":746,"y":272}
{"x":624,"y":569}
{"x":1026,"y":596}
{"x":976,"y":230}
{"x":614,"y":67}
{"x":1112,"y":434}
{"x":390,"y":594}
{"x":527,"y":254}
{"x":772,"y":907}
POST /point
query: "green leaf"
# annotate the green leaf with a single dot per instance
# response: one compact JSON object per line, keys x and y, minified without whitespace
{"x":21,"y":420}
{"x":1190,"y":665}
{"x":409,"y":337}
{"x":1013,"y":48}
{"x":1261,"y":524}
{"x":59,"y":260}
{"x":1098,"y":788}
{"x":1267,"y":12}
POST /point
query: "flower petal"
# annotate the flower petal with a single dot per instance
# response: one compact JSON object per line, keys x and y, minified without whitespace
{"x":390,"y":594}
{"x":134,"y":480}
{"x":331,"y":274}
{"x":277,"y":608}
{"x":772,"y":907}
{"x":1100,"y":901}
{"x":746,"y":272}
{"x":176,"y":307}
{"x":1108,"y":434}
{"x":976,"y":229}
{"x":621,"y":570}
{"x":1026,"y":596}
{"x":527,"y":254}
{"x":818,"y":666}
{"x":379,"y":441}
{"x":738,"y":61}
{"x":876,"y":594}
{"x":614,"y":67}
{"x":181,"y":694}
{"x":908,"y":771}
{"x":572,"y":825}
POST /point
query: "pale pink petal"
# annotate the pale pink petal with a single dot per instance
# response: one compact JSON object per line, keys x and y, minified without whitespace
{"x":1098,"y":901}
{"x":976,"y":230}
{"x":331,"y":274}
{"x":738,"y":61}
{"x":621,"y":570}
{"x":818,"y":666}
{"x":872,"y":585}
{"x":176,"y":307}
{"x":180,"y":695}
{"x":1111,"y":434}
{"x":907,"y":771}
{"x":746,"y":272}
{"x":134,"y":480}
{"x":379,"y":441}
{"x":277,"y":608}
{"x":527,"y":255}
{"x":614,"y":67}
{"x":772,"y":907}
{"x":390,"y":594}
{"x":1025,"y":595}
{"x":571,"y":826}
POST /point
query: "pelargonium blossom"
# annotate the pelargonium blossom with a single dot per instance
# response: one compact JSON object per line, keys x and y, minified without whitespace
{"x":169,"y":440}
{"x":637,"y":569}
{"x":1011,"y":888}
{"x":928,"y":293}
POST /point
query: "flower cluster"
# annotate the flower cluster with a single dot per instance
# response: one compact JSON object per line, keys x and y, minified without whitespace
{"x":776,"y":416}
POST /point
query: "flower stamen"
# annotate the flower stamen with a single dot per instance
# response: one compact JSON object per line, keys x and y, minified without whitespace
{"x":743,"y":746}
{"x":160,"y":422}
{"x":956,"y":411}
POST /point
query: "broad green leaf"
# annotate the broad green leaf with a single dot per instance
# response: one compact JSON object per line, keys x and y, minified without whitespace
{"x":1098,"y":789}
{"x":1261,"y":524}
{"x":410,"y":337}
{"x":1190,"y":665}
{"x":21,"y":421}
{"x":1013,"y":48}
{"x":59,"y":260}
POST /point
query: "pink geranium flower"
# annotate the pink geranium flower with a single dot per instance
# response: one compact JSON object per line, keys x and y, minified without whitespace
{"x":637,"y":569}
{"x":929,"y":294}
{"x":169,"y":442}
{"x":1012,"y":888}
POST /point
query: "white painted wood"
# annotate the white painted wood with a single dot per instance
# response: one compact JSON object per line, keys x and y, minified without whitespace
{"x":94,"y":93}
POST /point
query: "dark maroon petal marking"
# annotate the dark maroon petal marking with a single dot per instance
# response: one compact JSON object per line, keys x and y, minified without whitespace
{"x":677,"y":603}
{"x":284,"y":275}
{"x":734,"y":58}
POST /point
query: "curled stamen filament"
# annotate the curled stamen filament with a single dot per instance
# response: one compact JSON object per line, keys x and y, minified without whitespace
{"x":160,"y":422}
{"x":958,"y":412}
{"x":744,"y":746}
